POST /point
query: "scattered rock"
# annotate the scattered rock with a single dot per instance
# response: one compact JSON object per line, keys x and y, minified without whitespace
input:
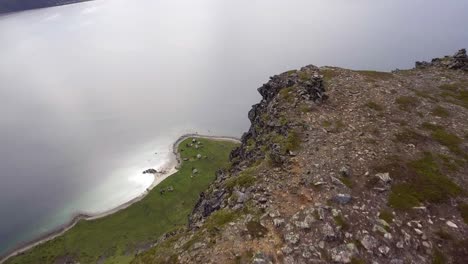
{"x":384,"y":250}
{"x":342,"y":198}
{"x":291,"y":238}
{"x":328,"y":232}
{"x":345,"y":171}
{"x":384,"y":177}
{"x":451,"y":224}
{"x":343,"y":253}
{"x":150,"y":171}
{"x":278,"y":222}
{"x":368,"y":242}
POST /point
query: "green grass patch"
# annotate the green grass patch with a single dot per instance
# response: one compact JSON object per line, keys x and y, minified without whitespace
{"x":245,"y":179}
{"x":449,"y":140}
{"x":425,"y":95}
{"x":328,"y":74}
{"x":339,"y":220}
{"x":220,"y":218}
{"x":287,"y":94}
{"x":304,"y":76}
{"x":376,"y":75}
{"x":163,"y":253}
{"x":250,"y":145}
{"x":291,"y":72}
{"x":256,"y":230}
{"x":450,"y":87}
{"x":334,"y":126}
{"x":456,"y":91}
{"x":291,"y":142}
{"x":409,"y":136}
{"x":374,"y":106}
{"x":306,"y":108}
{"x":451,"y":164}
{"x":386,"y":215}
{"x":355,"y":260}
{"x":438,"y":257}
{"x":327,"y":123}
{"x":143,"y":222}
{"x":422,"y":181}
{"x":440,"y":112}
{"x":429,"y":126}
{"x":407,"y":103}
{"x":347,"y":181}
{"x":445,"y":138}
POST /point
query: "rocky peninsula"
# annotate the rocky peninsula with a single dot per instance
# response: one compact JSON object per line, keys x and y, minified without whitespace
{"x":338,"y":166}
{"x":341,"y":166}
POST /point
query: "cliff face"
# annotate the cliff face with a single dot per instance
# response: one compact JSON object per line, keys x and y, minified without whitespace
{"x":371,"y":171}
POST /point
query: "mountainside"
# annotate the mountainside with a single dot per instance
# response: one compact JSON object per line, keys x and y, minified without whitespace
{"x":7,"y":6}
{"x":341,"y":166}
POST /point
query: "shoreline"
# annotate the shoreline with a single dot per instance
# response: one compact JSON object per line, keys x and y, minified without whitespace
{"x":173,"y":165}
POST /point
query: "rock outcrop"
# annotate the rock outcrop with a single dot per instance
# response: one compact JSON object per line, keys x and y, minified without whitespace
{"x":372,"y":171}
{"x":459,"y":61}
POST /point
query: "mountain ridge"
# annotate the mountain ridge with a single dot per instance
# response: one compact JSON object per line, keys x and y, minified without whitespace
{"x":341,"y":166}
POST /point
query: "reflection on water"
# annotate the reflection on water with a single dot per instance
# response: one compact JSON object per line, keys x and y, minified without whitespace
{"x":89,"y":92}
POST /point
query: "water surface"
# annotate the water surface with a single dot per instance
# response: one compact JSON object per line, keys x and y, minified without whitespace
{"x":90,"y":92}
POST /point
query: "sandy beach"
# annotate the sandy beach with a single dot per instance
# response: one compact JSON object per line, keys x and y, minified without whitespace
{"x":171,"y":166}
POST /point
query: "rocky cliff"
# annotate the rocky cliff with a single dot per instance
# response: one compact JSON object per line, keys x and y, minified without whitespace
{"x":341,"y":166}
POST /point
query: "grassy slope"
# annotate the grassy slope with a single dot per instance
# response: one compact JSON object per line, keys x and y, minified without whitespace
{"x":142,"y":222}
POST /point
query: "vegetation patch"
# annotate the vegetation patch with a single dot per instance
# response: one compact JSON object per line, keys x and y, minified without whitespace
{"x":287,"y":94}
{"x":334,"y":126}
{"x":409,"y":136}
{"x":386,"y":215}
{"x":347,"y":181}
{"x":445,"y":138}
{"x":339,"y":220}
{"x":422,"y":182}
{"x":355,"y":260}
{"x":304,"y":76}
{"x":326,"y":123}
{"x":291,"y":142}
{"x":220,"y":218}
{"x":374,"y":106}
{"x":245,"y":179}
{"x":328,"y":74}
{"x":438,"y":257}
{"x":456,"y":91}
{"x":250,"y":145}
{"x":440,"y":112}
{"x":143,"y":222}
{"x":450,"y":87}
{"x":291,"y":72}
{"x":407,"y":103}
{"x":256,"y":230}
{"x":450,"y":163}
{"x":425,"y":95}
{"x":376,"y":75}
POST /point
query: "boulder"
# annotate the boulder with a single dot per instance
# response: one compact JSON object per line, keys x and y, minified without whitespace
{"x":342,"y":198}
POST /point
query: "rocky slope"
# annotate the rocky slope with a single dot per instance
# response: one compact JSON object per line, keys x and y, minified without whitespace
{"x":341,"y":166}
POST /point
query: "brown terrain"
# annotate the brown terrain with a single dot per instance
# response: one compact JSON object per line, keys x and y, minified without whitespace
{"x":341,"y":166}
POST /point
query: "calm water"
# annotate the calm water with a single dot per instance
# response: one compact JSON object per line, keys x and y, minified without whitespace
{"x":90,"y":92}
